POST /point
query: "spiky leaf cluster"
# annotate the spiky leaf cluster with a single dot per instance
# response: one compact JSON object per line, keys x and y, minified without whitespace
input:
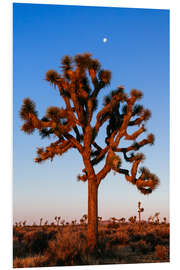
{"x":27,"y":108}
{"x":105,"y":76}
{"x":52,"y":76}
{"x":148,"y":181}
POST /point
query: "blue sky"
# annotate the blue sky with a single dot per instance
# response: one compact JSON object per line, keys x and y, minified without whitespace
{"x":137,"y":53}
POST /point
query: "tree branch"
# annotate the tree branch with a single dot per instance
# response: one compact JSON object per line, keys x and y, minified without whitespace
{"x":74,"y":142}
{"x":57,"y":148}
{"x":135,"y":134}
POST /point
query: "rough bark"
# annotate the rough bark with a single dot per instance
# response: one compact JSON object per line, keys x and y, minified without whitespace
{"x":92,"y":213}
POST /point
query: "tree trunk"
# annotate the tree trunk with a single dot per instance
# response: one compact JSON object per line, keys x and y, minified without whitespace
{"x":92,"y":213}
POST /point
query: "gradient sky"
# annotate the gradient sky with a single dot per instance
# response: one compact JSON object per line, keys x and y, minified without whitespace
{"x":137,"y":53}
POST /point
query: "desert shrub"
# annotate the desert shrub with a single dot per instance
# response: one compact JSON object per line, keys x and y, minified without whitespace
{"x":102,"y":233}
{"x":163,"y":232}
{"x":35,"y":261}
{"x":135,"y":236}
{"x":122,"y":237}
{"x":53,"y":246}
{"x":160,"y":252}
{"x":113,"y":225}
{"x":149,"y":238}
{"x":108,"y":232}
{"x":19,"y":249}
{"x":32,"y":242}
{"x":18,"y":234}
{"x":40,"y":242}
{"x":130,"y":230}
{"x":140,"y":246}
{"x":71,"y":249}
{"x":105,"y":248}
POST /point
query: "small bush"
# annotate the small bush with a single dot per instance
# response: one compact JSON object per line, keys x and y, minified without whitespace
{"x":35,"y":261}
{"x":160,"y":252}
{"x":71,"y":250}
{"x":140,"y":246}
{"x":113,"y":225}
{"x":122,"y":237}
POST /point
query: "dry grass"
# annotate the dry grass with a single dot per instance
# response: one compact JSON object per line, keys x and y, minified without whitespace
{"x":161,"y":252}
{"x":35,"y":246}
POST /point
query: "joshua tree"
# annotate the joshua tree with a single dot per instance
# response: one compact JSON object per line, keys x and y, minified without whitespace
{"x":77,"y":126}
{"x":85,"y":217}
{"x":113,"y":220}
{"x":62,"y":222}
{"x":140,"y":210}
{"x":82,"y":221}
{"x":132,"y":219}
{"x":58,"y":220}
{"x":24,"y":223}
{"x":73,"y":222}
{"x":40,"y":224}
{"x":46,"y":223}
{"x":122,"y":220}
{"x":99,"y":219}
{"x":165,"y":220}
{"x":150,"y":219}
{"x":156,"y":216}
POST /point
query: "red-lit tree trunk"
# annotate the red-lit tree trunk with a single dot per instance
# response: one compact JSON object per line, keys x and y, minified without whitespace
{"x":92,"y":213}
{"x":92,"y":233}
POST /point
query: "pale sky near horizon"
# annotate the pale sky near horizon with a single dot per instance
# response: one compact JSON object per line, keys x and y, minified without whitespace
{"x":137,"y":53}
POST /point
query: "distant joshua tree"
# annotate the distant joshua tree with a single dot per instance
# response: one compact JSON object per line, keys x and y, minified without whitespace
{"x":140,"y":210}
{"x":82,"y":221}
{"x":113,"y":220}
{"x":132,"y":219}
{"x":62,"y":222}
{"x":122,"y":220}
{"x":24,"y":223}
{"x":58,"y":220}
{"x":41,"y":219}
{"x":73,"y":222}
{"x":99,"y":219}
{"x":73,"y":128}
{"x":46,"y":223}
{"x":85,"y":217}
{"x":150,"y":219}
{"x":55,"y":218}
{"x":156,"y":217}
{"x":164,"y":220}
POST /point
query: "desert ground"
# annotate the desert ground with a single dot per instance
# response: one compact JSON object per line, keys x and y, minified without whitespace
{"x":66,"y":244}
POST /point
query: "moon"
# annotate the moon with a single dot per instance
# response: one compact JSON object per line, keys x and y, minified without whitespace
{"x":105,"y":40}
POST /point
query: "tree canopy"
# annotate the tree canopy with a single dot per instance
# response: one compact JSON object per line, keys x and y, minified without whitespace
{"x":72,"y":125}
